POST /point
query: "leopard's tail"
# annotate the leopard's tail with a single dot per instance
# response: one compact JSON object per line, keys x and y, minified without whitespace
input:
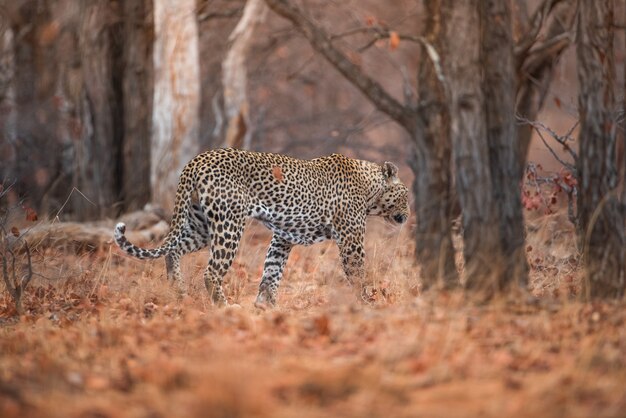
{"x":181,"y":211}
{"x":134,"y":250}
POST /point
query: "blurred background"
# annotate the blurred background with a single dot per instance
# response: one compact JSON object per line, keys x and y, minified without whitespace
{"x":103,"y":101}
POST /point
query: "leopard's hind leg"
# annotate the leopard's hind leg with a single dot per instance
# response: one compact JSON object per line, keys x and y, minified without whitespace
{"x":194,"y":237}
{"x":227,"y":221}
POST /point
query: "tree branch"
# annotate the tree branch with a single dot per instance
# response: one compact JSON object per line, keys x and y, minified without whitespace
{"x":535,"y":61}
{"x":222,"y":14}
{"x":322,"y":43}
{"x":539,"y":127}
{"x":537,"y":20}
{"x":544,"y":52}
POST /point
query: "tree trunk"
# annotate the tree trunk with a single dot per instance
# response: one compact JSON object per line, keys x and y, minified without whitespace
{"x":431,"y":165}
{"x":35,"y":147}
{"x":498,"y":86}
{"x":535,"y":68}
{"x":483,"y":261}
{"x":98,"y":153}
{"x":138,"y":77}
{"x":234,"y":75}
{"x":215,"y":18}
{"x":600,"y":212}
{"x":176,"y":96}
{"x":621,"y":146}
{"x":8,"y":114}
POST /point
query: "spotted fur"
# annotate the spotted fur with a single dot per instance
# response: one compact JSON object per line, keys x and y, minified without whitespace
{"x":301,"y":201}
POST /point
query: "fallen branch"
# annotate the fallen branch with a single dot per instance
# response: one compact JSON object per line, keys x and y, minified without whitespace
{"x":145,"y":227}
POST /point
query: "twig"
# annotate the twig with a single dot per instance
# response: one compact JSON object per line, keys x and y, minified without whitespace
{"x":554,"y":154}
{"x":74,"y":189}
{"x":351,"y":32}
{"x":380,"y":34}
{"x":5,"y":277}
{"x":5,"y":190}
{"x":538,"y":126}
{"x":227,"y":14}
{"x":29,"y":275}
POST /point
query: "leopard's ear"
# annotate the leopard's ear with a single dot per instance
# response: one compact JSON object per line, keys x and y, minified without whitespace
{"x":390,"y":171}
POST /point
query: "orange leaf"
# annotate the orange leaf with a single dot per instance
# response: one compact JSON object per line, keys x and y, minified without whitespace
{"x":322,"y":325}
{"x":31,"y":215}
{"x":557,"y":102}
{"x":15,"y":231}
{"x":278,"y":173}
{"x":394,"y":40}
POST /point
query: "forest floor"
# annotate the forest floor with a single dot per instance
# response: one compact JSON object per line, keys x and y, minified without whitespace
{"x":104,"y":335}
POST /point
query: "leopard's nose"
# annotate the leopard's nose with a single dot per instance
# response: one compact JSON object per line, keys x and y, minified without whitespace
{"x":399,"y":218}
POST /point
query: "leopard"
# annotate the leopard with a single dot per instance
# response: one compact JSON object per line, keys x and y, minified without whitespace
{"x":302,"y":202}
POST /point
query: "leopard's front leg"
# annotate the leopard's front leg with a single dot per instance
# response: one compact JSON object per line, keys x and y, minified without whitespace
{"x":275,"y":261}
{"x":350,"y":238}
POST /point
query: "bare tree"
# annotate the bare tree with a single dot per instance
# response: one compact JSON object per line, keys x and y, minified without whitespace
{"x":66,"y":124}
{"x":98,"y":153}
{"x":216,"y":20}
{"x":432,"y":186}
{"x":16,"y":273}
{"x":7,"y":95}
{"x":34,"y":151}
{"x":137,"y":93}
{"x":234,"y":75}
{"x":176,"y":104}
{"x":505,"y":155}
{"x":16,"y":277}
{"x":540,"y":43}
{"x":601,"y":213}
{"x":622,"y":145}
{"x":469,"y":147}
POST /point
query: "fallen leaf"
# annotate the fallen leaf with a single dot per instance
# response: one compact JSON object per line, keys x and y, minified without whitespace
{"x":322,"y":325}
{"x":394,"y":40}
{"x":31,"y":215}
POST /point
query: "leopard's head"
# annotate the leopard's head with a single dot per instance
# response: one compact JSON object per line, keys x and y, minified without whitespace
{"x":393,"y":202}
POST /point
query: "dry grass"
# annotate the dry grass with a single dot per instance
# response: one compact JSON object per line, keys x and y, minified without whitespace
{"x":109,"y":338}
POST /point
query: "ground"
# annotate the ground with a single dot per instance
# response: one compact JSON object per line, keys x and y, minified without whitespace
{"x":104,"y":335}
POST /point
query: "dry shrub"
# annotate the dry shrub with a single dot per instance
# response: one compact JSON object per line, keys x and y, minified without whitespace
{"x":552,"y":251}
